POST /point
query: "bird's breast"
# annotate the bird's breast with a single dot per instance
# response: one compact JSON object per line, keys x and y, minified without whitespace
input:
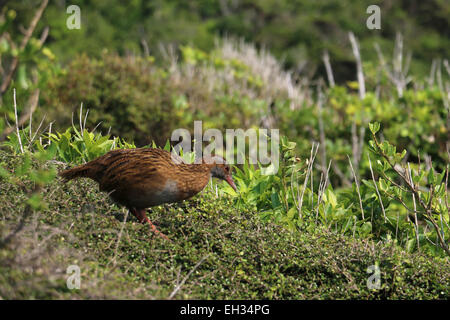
{"x":153,"y":196}
{"x":170,"y":192}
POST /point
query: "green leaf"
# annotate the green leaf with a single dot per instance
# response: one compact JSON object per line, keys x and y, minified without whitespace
{"x":167,"y":146}
{"x":4,"y":173}
{"x":431,"y":177}
{"x":410,"y":245}
{"x":36,"y":202}
{"x":374,"y":127}
{"x":366,"y":228}
{"x":332,"y":198}
{"x":382,"y":184}
{"x":440,"y":177}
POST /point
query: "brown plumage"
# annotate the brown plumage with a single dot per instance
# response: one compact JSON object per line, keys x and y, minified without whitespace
{"x":145,"y":177}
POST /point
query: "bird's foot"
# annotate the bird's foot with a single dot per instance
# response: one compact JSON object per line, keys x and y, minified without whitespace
{"x":156,"y":231}
{"x":142,"y":217}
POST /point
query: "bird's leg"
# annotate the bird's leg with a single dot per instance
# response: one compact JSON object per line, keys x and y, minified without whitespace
{"x":142,"y":217}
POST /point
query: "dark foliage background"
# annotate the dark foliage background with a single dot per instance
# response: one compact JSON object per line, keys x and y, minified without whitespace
{"x":295,"y":31}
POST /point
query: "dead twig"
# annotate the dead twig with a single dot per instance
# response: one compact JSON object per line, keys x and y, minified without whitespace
{"x":376,"y":188}
{"x":31,"y":107}
{"x":326,"y":61}
{"x":178,"y":287}
{"x":17,"y":121}
{"x":357,"y":187}
{"x":359,"y":69}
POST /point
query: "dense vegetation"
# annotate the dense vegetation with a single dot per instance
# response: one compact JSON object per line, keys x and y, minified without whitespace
{"x":231,"y":254}
{"x":364,"y":168}
{"x":296,"y":31}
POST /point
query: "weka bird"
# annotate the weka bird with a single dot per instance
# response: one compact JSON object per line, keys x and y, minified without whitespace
{"x":145,"y":177}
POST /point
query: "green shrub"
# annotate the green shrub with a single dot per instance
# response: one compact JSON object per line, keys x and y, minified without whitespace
{"x":36,"y":64}
{"x":129,"y":96}
{"x":421,"y":191}
{"x":383,"y":211}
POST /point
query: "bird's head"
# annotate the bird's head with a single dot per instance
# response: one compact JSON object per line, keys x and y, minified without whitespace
{"x":220,"y":169}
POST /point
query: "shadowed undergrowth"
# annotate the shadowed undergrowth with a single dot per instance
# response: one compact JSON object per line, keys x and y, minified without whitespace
{"x":216,"y":252}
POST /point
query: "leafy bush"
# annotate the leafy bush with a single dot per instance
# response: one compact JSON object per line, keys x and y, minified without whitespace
{"x":141,"y":102}
{"x":72,"y":146}
{"x":130,"y":96}
{"x":378,"y":211}
{"x":26,"y":65}
{"x":80,"y":146}
{"x":294,"y":31}
{"x":424,"y":200}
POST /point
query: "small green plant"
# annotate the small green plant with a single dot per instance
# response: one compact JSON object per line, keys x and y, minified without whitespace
{"x":270,"y":194}
{"x":421,"y":191}
{"x":31,"y":168}
{"x":72,"y":146}
{"x":379,"y":208}
{"x":75,"y":146}
{"x":26,"y":64}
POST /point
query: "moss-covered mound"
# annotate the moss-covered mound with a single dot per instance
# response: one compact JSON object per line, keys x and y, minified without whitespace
{"x":215,"y":252}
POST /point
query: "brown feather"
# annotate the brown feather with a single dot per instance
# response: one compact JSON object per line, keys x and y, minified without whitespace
{"x":143,"y":177}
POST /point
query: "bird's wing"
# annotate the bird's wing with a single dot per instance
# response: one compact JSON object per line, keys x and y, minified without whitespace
{"x":130,"y":169}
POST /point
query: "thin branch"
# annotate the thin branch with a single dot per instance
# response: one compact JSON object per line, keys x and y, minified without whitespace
{"x":32,"y":104}
{"x":308,"y":173}
{"x":447,"y":67}
{"x":376,"y":188}
{"x":442,"y":90}
{"x":120,"y":237}
{"x":326,"y":61}
{"x":178,"y":287}
{"x":15,"y":61}
{"x":359,"y":69}
{"x":320,"y":192}
{"x":323,"y":150}
{"x":416,"y":224}
{"x":357,"y":187}
{"x":17,"y":121}
{"x":429,"y":211}
{"x":341,"y":175}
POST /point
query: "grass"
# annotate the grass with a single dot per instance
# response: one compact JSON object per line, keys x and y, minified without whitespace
{"x":215,"y":252}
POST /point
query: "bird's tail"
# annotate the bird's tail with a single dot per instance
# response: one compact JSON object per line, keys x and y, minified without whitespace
{"x":83,"y":171}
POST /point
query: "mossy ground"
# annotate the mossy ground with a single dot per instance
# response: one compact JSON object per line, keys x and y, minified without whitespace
{"x":231,"y":253}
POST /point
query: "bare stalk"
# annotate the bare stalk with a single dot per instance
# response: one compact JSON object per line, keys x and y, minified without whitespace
{"x":376,"y":188}
{"x":326,"y":61}
{"x":323,"y":151}
{"x":308,"y":173}
{"x":359,"y":69}
{"x":357,"y":187}
{"x":399,"y":73}
{"x":178,"y":287}
{"x":432,"y":73}
{"x":120,"y":237}
{"x":26,"y":115}
{"x":443,"y":91}
{"x":17,"y":121}
{"x":416,"y":224}
{"x":447,"y":67}
{"x":322,"y":186}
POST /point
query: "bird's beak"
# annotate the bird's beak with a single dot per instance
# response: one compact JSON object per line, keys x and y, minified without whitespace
{"x":230,"y":181}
